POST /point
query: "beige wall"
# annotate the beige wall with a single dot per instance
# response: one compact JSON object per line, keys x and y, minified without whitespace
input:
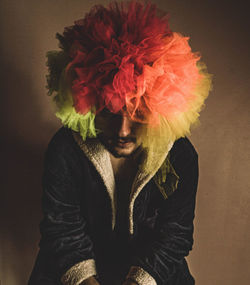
{"x":219,"y":29}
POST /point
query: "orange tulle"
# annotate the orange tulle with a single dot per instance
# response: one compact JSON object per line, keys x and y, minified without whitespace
{"x":167,"y":87}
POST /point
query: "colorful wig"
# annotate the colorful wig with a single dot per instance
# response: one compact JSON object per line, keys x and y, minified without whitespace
{"x":126,"y":57}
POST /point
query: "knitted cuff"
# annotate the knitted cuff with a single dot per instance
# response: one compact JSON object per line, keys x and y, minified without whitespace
{"x":79,"y":272}
{"x":140,"y":276}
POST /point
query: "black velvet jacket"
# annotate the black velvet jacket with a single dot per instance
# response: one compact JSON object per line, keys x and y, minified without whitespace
{"x":79,"y":236}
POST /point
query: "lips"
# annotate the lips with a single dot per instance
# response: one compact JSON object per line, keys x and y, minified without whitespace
{"x":123,"y":143}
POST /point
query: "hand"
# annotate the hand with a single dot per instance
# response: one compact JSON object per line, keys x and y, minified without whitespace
{"x":90,"y":281}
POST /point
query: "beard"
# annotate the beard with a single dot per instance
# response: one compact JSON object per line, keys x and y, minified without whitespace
{"x":120,"y":147}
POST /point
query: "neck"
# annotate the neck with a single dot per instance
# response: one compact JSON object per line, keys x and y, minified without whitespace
{"x":124,"y":167}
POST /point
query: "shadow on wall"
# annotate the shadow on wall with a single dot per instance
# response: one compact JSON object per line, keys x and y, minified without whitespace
{"x":22,"y":210}
{"x":22,"y":149}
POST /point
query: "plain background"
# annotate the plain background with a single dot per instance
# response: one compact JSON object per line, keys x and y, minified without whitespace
{"x":220,"y":31}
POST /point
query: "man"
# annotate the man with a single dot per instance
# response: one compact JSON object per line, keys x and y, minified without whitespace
{"x":120,"y":177}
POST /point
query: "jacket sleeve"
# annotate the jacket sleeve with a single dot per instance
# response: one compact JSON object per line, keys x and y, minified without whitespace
{"x":65,"y":240}
{"x":157,"y":260}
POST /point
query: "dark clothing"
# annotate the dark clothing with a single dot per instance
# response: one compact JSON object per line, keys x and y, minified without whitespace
{"x":77,"y":222}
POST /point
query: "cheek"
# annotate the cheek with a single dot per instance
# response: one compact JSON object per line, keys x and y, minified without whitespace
{"x":138,"y":129}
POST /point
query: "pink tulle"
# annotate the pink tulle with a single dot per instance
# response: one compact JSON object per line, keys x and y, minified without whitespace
{"x":167,"y":86}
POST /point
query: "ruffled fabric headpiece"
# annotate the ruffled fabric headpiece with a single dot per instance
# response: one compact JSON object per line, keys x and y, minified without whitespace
{"x":126,"y":57}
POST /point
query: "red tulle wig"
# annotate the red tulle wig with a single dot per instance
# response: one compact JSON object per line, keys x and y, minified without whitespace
{"x":125,"y":56}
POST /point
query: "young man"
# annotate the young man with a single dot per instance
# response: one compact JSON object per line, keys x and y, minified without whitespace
{"x":120,"y":177}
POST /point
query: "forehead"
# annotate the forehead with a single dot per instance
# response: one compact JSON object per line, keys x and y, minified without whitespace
{"x":105,"y":112}
{"x":137,"y":118}
{"x":113,"y":122}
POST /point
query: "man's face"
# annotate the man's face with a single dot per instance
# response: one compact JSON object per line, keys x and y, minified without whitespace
{"x":119,"y":134}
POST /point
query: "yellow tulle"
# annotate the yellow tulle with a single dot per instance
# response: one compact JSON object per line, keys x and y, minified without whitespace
{"x":155,"y":139}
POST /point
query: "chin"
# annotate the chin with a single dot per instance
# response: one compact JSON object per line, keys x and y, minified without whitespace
{"x":121,"y":152}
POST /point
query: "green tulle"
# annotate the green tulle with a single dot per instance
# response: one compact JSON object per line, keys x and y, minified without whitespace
{"x":58,"y":86}
{"x":84,"y":124}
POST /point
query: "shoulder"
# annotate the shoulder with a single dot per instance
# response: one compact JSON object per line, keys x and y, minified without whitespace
{"x":63,"y":149}
{"x":184,"y":158}
{"x":63,"y":168}
{"x":62,"y":139}
{"x":183,"y":151}
{"x":63,"y":143}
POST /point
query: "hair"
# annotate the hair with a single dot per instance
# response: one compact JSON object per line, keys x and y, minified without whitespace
{"x":124,"y":56}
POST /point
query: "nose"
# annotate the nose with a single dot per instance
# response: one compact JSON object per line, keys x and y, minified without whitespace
{"x":125,"y":126}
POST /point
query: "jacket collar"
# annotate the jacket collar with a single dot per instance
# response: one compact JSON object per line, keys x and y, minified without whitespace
{"x":100,"y":158}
